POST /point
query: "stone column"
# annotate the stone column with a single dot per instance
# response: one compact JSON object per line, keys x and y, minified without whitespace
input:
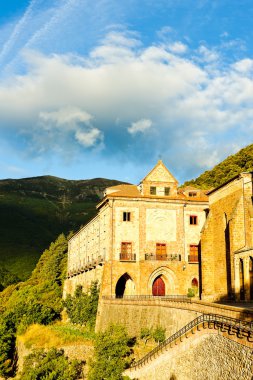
{"x":237,"y":279}
{"x":246,"y":278}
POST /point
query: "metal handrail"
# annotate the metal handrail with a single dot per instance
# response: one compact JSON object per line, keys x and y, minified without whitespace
{"x":211,"y":318}
{"x":172,"y":297}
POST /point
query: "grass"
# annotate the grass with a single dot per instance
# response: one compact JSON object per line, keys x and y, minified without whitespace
{"x":56,"y":335}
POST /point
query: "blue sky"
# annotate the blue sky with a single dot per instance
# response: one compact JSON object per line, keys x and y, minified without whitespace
{"x":105,"y":88}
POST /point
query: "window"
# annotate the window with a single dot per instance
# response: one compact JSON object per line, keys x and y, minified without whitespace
{"x":192,"y":194}
{"x":126,"y":248}
{"x":126,"y":216}
{"x":152,"y":190}
{"x":167,"y":191}
{"x":193,"y":257}
{"x":193,"y":249}
{"x":160,"y":249}
{"x":193,"y":219}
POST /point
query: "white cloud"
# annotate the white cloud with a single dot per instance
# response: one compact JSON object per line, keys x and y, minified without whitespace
{"x":178,"y":47}
{"x":244,"y":65}
{"x":88,"y":138}
{"x":140,"y":126}
{"x":68,"y":102}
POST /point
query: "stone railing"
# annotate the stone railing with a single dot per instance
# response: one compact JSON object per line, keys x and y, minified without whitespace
{"x":127,"y":257}
{"x":154,"y":256}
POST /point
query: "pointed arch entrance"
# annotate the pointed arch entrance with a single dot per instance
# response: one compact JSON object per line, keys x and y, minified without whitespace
{"x":125,"y":286}
{"x":158,"y":287}
{"x":162,"y":281}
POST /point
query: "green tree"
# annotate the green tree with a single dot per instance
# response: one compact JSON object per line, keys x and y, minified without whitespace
{"x":7,"y":347}
{"x":82,"y":307}
{"x":111,"y":354}
{"x":51,"y":365}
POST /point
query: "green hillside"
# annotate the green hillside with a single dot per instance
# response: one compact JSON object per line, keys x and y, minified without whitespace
{"x":34,"y":211}
{"x":227,"y":169}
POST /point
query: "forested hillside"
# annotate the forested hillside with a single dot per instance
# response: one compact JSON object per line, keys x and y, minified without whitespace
{"x":34,"y":211}
{"x":227,"y":169}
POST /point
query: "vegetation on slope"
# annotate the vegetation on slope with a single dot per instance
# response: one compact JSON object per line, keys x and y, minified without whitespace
{"x":34,"y":211}
{"x":227,"y":169}
{"x":7,"y":278}
{"x":38,"y":300}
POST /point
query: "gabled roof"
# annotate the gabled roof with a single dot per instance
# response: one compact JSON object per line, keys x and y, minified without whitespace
{"x":160,"y":171}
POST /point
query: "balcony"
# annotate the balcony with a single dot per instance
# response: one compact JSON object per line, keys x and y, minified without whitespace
{"x":127,"y":257}
{"x":193,"y":259}
{"x":152,"y":256}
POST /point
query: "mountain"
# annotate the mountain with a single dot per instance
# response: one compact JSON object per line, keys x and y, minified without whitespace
{"x":34,"y":211}
{"x":227,"y":169}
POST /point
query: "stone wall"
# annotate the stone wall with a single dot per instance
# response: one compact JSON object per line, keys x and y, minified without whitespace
{"x":209,"y":356}
{"x":227,"y":230}
{"x":135,"y":317}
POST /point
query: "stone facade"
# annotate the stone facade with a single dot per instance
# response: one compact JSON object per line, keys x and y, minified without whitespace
{"x":143,"y":241}
{"x":226,"y":242}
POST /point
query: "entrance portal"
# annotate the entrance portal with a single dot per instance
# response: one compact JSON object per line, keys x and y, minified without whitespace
{"x":158,"y":288}
{"x":125,"y":286}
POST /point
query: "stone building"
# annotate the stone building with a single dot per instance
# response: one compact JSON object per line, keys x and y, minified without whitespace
{"x":143,"y":241}
{"x":226,"y":242}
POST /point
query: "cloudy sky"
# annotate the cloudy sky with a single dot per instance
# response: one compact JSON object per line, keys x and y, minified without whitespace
{"x":104,"y":88}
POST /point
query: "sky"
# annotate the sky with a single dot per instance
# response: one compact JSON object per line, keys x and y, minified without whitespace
{"x":105,"y":88}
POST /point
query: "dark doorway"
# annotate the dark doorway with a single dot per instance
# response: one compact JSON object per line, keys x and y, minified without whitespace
{"x":158,"y":288}
{"x":242,"y":292}
{"x":121,"y":285}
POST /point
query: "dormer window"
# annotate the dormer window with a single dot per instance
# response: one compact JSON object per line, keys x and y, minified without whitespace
{"x":152,"y":190}
{"x":167,"y":191}
{"x":192,"y":194}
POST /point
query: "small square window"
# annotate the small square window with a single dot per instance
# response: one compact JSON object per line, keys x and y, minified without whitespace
{"x":167,"y":191}
{"x":193,"y":219}
{"x":152,"y":190}
{"x":126,"y":216}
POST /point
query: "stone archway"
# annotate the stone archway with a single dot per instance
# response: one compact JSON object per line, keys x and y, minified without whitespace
{"x":125,"y":286}
{"x":166,"y":276}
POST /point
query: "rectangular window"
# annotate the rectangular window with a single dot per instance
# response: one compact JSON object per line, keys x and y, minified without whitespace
{"x":152,"y":190}
{"x":126,"y":248}
{"x":193,"y":219}
{"x":193,"y":257}
{"x":126,"y":216}
{"x":160,"y":249}
{"x":167,"y":191}
{"x":192,"y":194}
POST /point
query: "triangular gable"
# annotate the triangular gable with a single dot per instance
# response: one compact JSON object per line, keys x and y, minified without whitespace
{"x":160,"y":174}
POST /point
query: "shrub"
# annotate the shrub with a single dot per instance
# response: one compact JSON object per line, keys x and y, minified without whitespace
{"x":191,"y":292}
{"x":159,"y":334}
{"x":51,"y":365}
{"x":146,"y":334}
{"x":111,"y":354}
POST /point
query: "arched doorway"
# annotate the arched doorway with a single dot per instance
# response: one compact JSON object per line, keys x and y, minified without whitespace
{"x":195,"y":285}
{"x":125,"y":286}
{"x":158,"y":287}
